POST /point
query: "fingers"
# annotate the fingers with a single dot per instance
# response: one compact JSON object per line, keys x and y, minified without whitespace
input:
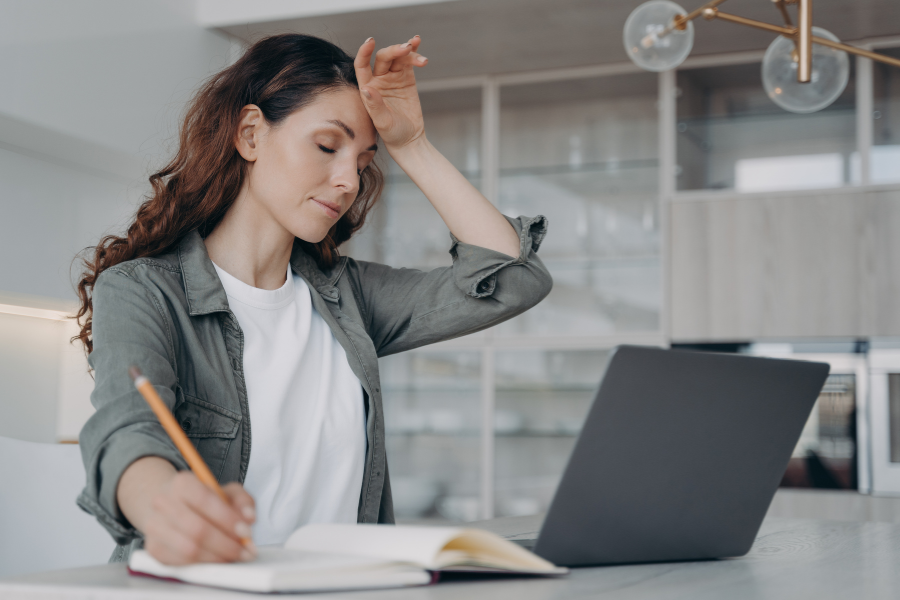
{"x":241,"y":500}
{"x":392,"y":58}
{"x":172,"y":546}
{"x":194,"y":524}
{"x":363,"y":60}
{"x":414,"y":58}
{"x":226,"y":519}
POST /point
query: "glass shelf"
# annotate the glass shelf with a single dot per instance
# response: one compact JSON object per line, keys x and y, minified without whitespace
{"x":476,"y":433}
{"x":527,"y":388}
{"x":608,"y":166}
{"x":450,"y":387}
{"x":471,"y":433}
{"x":399,"y":178}
{"x":755,"y":118}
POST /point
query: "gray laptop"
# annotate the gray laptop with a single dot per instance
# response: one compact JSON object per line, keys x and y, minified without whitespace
{"x":679,"y":457}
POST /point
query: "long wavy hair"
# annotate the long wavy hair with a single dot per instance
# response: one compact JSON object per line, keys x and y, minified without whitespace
{"x":279,"y":74}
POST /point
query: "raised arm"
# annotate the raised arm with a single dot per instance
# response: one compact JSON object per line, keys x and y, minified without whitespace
{"x":389,"y":94}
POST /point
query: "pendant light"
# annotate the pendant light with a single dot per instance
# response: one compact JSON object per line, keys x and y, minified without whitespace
{"x":829,"y":77}
{"x":804,"y":70}
{"x":651,"y":40}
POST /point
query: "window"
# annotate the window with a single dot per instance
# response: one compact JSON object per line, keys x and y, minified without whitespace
{"x":731,"y":136}
{"x":885,"y":160}
{"x":585,"y":154}
{"x":543,"y":397}
{"x":432,"y":419}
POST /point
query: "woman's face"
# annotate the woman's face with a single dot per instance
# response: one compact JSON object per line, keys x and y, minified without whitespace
{"x":305,"y":172}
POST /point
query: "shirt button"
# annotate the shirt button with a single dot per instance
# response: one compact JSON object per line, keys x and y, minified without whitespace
{"x":186,"y":425}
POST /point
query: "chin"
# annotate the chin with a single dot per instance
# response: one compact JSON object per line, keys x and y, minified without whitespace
{"x":312,"y":235}
{"x":309,"y":226}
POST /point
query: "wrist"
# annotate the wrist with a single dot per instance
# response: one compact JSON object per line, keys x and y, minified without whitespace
{"x":139,"y":483}
{"x":414,"y":151}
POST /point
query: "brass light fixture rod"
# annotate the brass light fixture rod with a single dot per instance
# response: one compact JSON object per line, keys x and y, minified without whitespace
{"x":782,"y":6}
{"x":804,"y":41}
{"x":711,"y":13}
{"x":681,"y":21}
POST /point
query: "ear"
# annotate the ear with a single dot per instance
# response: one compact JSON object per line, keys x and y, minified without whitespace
{"x":250,"y":130}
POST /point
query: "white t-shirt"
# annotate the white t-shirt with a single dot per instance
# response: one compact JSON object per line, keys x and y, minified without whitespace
{"x":308,"y":447}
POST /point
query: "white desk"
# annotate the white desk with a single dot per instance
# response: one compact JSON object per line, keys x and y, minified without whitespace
{"x":791,"y":559}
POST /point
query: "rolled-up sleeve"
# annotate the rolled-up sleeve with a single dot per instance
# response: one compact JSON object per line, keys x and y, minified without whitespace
{"x":475,"y":269}
{"x":408,"y":308}
{"x":128,"y":328}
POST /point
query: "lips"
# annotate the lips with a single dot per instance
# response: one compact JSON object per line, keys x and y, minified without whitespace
{"x":332,"y":209}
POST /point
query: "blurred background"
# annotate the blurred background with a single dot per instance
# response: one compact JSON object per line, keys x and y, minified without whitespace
{"x":686,"y":209}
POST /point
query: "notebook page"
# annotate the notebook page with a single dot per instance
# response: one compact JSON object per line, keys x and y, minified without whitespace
{"x":416,"y":545}
{"x":489,"y":550}
{"x":279,"y":569}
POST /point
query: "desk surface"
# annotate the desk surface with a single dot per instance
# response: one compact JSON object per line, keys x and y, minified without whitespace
{"x":791,"y":558}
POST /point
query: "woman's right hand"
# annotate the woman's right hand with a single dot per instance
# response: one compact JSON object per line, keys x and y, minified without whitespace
{"x":182,"y":520}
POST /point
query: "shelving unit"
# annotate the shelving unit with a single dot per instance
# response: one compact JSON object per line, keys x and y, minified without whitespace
{"x":600,"y":151}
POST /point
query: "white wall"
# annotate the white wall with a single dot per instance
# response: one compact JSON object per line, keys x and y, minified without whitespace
{"x":92,"y":91}
{"x":48,"y":212}
{"x":221,"y":13}
{"x":29,"y":358}
{"x":90,"y":100}
{"x":115,"y":73}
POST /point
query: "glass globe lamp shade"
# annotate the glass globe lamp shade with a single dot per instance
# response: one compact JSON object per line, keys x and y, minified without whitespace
{"x":651,"y":40}
{"x":829,"y":77}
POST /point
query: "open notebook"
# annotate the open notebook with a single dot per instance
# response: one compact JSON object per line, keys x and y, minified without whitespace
{"x":332,"y":556}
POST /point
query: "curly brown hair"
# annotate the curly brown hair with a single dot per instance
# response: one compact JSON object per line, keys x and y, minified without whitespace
{"x":279,"y":74}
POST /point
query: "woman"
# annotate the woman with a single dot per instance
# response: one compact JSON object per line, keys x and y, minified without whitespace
{"x":230,"y":295}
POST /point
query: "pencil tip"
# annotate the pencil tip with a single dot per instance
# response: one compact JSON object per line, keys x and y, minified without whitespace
{"x":134,"y":372}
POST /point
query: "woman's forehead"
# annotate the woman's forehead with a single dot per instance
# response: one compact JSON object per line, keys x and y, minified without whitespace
{"x":342,"y":109}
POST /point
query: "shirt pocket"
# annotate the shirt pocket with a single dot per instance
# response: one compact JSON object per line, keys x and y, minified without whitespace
{"x":211,"y":429}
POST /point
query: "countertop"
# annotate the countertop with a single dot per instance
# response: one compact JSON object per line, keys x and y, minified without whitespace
{"x":791,"y":559}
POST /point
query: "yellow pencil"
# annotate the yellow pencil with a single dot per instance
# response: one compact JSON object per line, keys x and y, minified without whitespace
{"x":184,"y":445}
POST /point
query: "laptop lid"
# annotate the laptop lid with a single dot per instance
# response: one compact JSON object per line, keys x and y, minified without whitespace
{"x":679,"y":457}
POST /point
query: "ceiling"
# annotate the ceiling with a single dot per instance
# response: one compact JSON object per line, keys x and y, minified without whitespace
{"x":474,"y":37}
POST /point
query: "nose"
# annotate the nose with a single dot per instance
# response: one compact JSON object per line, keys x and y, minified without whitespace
{"x":345,"y":176}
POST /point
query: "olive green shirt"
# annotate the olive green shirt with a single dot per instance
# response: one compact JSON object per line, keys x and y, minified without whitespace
{"x":169,"y":316}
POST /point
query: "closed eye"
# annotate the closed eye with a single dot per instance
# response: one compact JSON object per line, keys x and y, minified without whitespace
{"x":328,"y":150}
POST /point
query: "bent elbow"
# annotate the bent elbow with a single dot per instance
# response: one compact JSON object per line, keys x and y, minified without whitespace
{"x":541,"y":287}
{"x":532,"y":286}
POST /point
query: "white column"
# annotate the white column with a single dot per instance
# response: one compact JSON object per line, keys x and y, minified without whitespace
{"x":490,"y":175}
{"x":865,"y":107}
{"x":667,"y":187}
{"x":488,"y":403}
{"x":490,"y":139}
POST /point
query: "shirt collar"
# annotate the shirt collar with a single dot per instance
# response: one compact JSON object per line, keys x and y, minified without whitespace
{"x":204,"y":291}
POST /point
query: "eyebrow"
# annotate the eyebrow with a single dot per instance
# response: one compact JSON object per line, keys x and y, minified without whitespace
{"x":351,"y":133}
